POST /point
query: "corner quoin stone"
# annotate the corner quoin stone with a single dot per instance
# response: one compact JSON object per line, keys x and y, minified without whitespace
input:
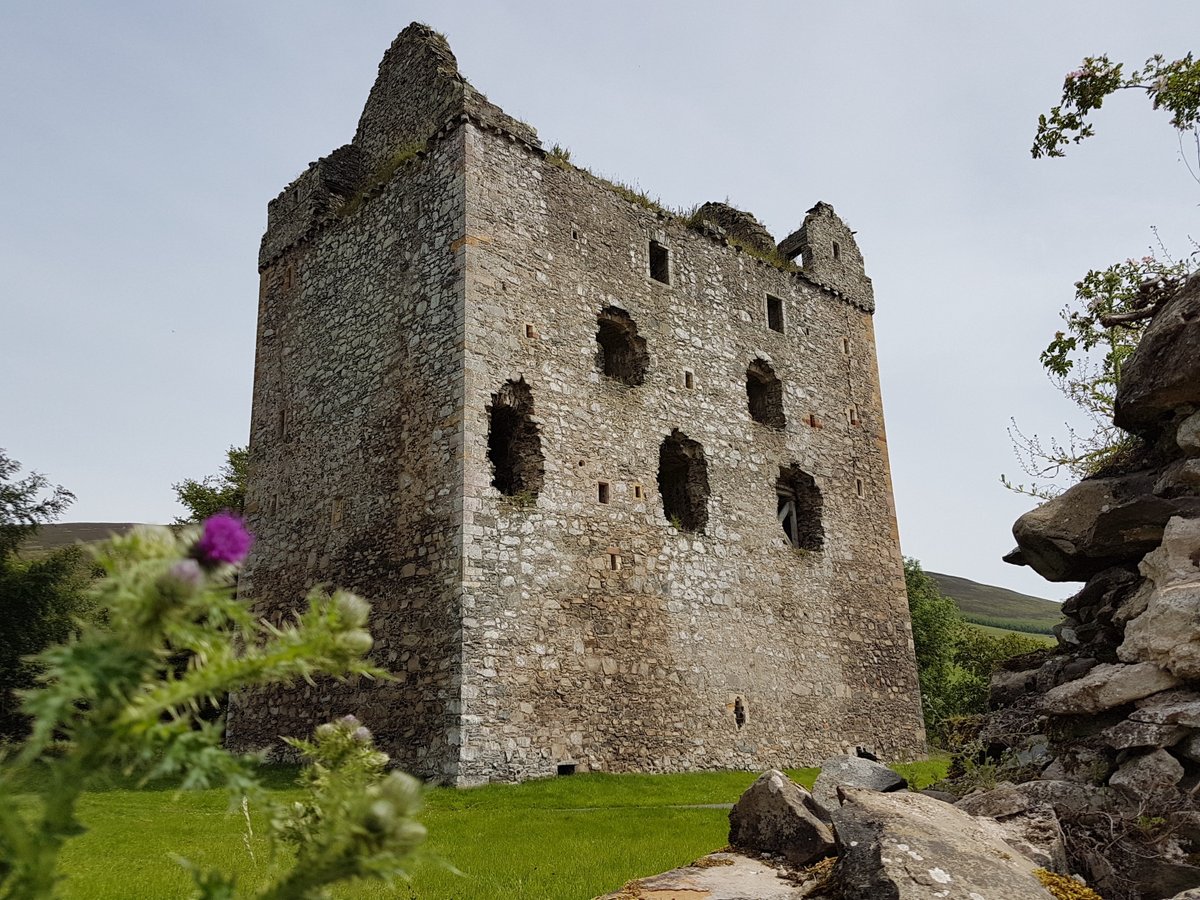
{"x":428,"y":311}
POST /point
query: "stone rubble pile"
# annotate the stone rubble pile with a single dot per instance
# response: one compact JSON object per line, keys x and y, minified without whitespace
{"x":862,"y":835}
{"x":1107,"y":726}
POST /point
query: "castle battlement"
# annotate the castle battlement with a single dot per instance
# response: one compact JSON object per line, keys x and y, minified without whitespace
{"x":614,"y":478}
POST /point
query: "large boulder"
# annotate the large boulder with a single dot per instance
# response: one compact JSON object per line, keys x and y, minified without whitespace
{"x":906,"y":846}
{"x":718,"y":876}
{"x":1164,"y":371}
{"x":1152,"y":774}
{"x":1097,"y":524}
{"x":777,"y":816}
{"x":1168,"y":632}
{"x":852,"y":771}
{"x":1031,"y":827}
{"x":1107,"y":686}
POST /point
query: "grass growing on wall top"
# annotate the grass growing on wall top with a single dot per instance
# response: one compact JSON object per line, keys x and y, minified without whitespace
{"x":568,"y":838}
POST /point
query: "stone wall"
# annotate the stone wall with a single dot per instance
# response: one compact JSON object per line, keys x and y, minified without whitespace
{"x":356,"y":459}
{"x":600,"y":635}
{"x":430,"y":315}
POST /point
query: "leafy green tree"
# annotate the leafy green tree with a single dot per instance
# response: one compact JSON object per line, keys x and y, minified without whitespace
{"x":1112,"y":306}
{"x":214,"y":493}
{"x":40,"y":598}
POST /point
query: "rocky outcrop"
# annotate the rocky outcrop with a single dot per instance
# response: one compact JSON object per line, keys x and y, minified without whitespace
{"x":852,"y":771}
{"x":1115,"y":709}
{"x":1163,"y":374}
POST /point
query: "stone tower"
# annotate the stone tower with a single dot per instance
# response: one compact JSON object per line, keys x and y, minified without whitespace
{"x":614,"y":480}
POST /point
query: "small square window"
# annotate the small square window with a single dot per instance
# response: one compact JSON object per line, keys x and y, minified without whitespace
{"x":602,"y":493}
{"x":660,"y":262}
{"x":530,"y":331}
{"x":774,"y":313}
{"x":689,"y":379}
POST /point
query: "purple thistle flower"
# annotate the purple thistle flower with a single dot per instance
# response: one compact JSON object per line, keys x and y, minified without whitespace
{"x":224,"y":540}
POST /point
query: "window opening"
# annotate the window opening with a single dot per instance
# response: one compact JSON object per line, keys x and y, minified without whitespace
{"x":660,"y":262}
{"x":739,"y":712}
{"x":602,"y":491}
{"x":683,"y":482}
{"x":798,"y":508}
{"x":859,"y":489}
{"x":852,"y":412}
{"x":774,"y":313}
{"x":764,"y":391}
{"x":689,"y":380}
{"x":514,"y":445}
{"x":637,"y":492}
{"x":814,"y":420}
{"x":846,"y":346}
{"x":566,"y":768}
{"x":614,"y":561}
{"x":837,"y":250}
{"x":623,"y":354}
{"x":574,"y":234}
{"x":530,"y":331}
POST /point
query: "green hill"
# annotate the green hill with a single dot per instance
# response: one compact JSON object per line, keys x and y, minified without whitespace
{"x":986,"y":604}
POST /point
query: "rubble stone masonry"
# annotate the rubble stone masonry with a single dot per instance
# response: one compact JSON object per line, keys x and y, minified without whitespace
{"x":614,"y":480}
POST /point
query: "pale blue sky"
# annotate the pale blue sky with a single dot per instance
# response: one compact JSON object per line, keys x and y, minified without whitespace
{"x":142,"y":140}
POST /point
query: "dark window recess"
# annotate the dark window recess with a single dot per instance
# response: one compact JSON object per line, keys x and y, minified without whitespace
{"x":514,"y":446}
{"x":689,"y":380}
{"x":683,"y":482}
{"x":566,"y":768}
{"x":614,"y":561}
{"x":623,"y":355}
{"x":774,"y":313}
{"x":660,"y":262}
{"x":764,"y":391}
{"x":739,"y":712}
{"x":837,"y":251}
{"x":798,"y":508}
{"x":637,"y":492}
{"x":602,"y":491}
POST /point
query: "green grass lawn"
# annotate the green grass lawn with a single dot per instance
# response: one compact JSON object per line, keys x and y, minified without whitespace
{"x":564,"y":838}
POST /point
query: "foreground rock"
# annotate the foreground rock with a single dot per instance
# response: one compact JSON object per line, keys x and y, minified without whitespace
{"x":1168,"y":632}
{"x":904,"y":845}
{"x":779,"y":817}
{"x":852,"y":771}
{"x":1030,"y":826}
{"x":718,"y":876}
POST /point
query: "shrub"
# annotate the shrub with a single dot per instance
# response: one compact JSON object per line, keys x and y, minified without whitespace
{"x":111,"y":701}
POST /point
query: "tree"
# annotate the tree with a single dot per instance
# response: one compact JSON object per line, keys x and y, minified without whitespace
{"x":214,"y":493}
{"x":24,"y":506}
{"x":1112,"y":306}
{"x":41,"y":599}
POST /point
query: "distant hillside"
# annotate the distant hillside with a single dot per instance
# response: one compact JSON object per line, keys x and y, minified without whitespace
{"x":55,"y":537}
{"x":986,"y":604}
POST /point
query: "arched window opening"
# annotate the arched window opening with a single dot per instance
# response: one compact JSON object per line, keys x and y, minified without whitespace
{"x":798,"y":508}
{"x":683,"y":482}
{"x":623,"y":355}
{"x":765,"y":393}
{"x":514,"y":446}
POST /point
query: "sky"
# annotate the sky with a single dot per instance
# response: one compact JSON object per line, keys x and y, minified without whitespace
{"x":140,"y":142}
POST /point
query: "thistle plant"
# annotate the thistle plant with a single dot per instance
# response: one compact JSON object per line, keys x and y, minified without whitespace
{"x":117,"y":700}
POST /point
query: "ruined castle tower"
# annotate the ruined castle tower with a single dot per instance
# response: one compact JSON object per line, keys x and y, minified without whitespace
{"x":614,"y":480}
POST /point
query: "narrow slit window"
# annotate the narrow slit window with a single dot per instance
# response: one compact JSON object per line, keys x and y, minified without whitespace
{"x":846,"y":346}
{"x":859,"y":488}
{"x":638,"y":492}
{"x":660,"y":262}
{"x":602,"y":493}
{"x":775,"y":313}
{"x":837,"y":250}
{"x":614,"y":562}
{"x":739,"y":712}
{"x":852,"y":414}
{"x":689,"y":380}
